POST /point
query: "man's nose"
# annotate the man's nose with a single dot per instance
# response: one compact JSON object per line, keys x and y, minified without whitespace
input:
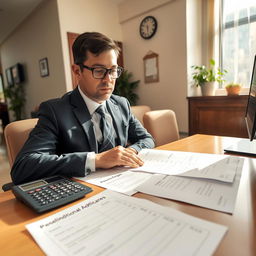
{"x":107,"y":77}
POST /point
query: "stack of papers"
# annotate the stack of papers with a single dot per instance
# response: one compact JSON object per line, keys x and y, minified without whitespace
{"x":206,"y":180}
{"x":196,"y":165}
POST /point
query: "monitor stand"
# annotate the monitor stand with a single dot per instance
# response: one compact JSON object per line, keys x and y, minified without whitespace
{"x":243,"y":147}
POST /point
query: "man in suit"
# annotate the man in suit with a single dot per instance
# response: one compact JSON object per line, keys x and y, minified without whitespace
{"x":70,"y":137}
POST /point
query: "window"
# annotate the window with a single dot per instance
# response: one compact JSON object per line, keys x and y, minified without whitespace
{"x":238,"y":39}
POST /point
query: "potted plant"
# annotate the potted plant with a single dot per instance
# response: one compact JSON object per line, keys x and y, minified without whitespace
{"x":125,"y":87}
{"x":16,"y":99}
{"x":233,"y":89}
{"x":206,"y":77}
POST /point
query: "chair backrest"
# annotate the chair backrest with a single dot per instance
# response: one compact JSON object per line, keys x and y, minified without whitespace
{"x":16,"y":133}
{"x":139,"y":111}
{"x":162,"y":125}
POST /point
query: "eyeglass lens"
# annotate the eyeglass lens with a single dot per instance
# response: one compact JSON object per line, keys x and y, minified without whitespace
{"x":102,"y":72}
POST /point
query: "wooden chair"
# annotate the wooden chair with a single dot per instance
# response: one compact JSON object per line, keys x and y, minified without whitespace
{"x":162,"y":125}
{"x":16,"y":133}
{"x":139,"y":111}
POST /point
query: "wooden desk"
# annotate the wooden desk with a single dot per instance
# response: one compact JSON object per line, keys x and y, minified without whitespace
{"x":239,"y":240}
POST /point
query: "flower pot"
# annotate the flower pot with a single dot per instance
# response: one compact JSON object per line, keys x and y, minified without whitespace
{"x":233,"y":90}
{"x":208,"y":89}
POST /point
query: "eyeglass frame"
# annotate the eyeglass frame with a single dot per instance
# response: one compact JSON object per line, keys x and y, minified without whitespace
{"x":108,"y":70}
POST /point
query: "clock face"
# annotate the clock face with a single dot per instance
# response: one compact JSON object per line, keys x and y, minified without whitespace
{"x":148,"y":27}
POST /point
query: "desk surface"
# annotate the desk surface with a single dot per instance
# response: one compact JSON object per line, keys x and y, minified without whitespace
{"x":239,"y":240}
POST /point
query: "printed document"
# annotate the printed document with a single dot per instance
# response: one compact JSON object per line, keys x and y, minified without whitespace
{"x":114,"y":224}
{"x":124,"y":182}
{"x":216,"y":195}
{"x":198,"y":165}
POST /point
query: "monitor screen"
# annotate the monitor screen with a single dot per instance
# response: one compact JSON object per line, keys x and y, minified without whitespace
{"x":244,"y":146}
{"x":251,"y":105}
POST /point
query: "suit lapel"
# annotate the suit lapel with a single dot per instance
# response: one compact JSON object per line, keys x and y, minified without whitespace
{"x":117,"y":119}
{"x":83,"y":116}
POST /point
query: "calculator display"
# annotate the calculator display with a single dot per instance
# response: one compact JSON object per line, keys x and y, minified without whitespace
{"x":32,"y":185}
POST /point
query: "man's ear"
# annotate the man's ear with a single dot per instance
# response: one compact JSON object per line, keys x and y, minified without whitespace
{"x":76,"y":70}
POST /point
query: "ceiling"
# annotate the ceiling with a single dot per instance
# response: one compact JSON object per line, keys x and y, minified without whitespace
{"x":13,"y":12}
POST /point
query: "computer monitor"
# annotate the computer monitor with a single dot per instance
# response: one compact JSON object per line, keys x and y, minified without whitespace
{"x":251,"y":105}
{"x":248,"y":146}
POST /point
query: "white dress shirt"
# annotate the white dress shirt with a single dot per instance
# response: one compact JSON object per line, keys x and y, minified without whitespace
{"x":92,"y":106}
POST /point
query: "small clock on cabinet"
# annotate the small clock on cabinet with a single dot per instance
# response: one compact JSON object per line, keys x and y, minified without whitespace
{"x":148,"y":27}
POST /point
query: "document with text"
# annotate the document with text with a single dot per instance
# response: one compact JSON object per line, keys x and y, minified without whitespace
{"x":216,"y":195}
{"x":114,"y":224}
{"x":123,"y":182}
{"x":198,"y":165}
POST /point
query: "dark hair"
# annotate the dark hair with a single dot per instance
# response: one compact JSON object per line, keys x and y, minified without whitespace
{"x":94,"y":42}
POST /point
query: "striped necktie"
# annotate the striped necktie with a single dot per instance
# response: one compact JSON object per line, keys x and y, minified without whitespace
{"x":107,"y":130}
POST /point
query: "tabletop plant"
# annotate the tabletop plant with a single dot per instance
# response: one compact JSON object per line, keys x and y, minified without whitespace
{"x":233,"y":88}
{"x":202,"y":74}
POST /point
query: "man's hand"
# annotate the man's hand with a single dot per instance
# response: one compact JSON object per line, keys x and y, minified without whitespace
{"x":118,"y":156}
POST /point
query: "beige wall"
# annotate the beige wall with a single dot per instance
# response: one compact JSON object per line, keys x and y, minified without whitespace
{"x":36,"y":38}
{"x":86,"y":16}
{"x":170,"y":43}
{"x":194,"y":41}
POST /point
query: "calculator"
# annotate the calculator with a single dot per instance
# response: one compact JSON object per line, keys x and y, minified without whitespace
{"x":49,"y":193}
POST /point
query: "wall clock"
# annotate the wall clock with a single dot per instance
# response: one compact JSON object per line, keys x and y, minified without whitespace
{"x":148,"y":27}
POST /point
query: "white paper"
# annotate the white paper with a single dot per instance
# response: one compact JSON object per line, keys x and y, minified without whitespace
{"x":100,"y":173}
{"x":114,"y":224}
{"x":124,"y":182}
{"x":151,"y":68}
{"x":209,"y":166}
{"x":210,"y":194}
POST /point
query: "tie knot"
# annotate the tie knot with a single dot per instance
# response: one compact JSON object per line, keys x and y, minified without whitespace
{"x":100,"y":110}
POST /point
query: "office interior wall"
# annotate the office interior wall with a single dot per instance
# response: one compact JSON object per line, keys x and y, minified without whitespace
{"x":86,"y":16}
{"x":194,"y":42}
{"x":36,"y":38}
{"x":170,"y":43}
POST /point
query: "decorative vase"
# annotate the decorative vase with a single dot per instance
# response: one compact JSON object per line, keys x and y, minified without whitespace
{"x":208,"y":89}
{"x":233,"y":90}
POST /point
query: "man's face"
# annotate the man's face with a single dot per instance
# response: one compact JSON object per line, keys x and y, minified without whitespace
{"x":97,"y":90}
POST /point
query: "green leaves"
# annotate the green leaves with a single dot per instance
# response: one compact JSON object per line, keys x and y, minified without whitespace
{"x":202,"y":74}
{"x":16,"y":97}
{"x":125,"y":87}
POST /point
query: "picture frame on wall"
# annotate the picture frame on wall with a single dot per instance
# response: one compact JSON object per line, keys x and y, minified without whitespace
{"x":9,"y":76}
{"x":2,"y":98}
{"x":151,"y":67}
{"x":17,"y":73}
{"x":43,"y":67}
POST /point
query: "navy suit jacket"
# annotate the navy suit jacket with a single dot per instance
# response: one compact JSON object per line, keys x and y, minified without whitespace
{"x":64,"y":135}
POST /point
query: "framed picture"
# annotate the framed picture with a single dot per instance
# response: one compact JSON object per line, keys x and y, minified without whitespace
{"x":2,"y":98}
{"x":43,"y":66}
{"x":9,"y":76}
{"x":151,"y":70}
{"x":18,"y":73}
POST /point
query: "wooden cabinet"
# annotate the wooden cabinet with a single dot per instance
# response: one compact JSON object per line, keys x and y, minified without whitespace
{"x":218,"y":115}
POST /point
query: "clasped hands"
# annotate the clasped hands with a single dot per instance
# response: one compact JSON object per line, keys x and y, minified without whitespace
{"x":118,"y":156}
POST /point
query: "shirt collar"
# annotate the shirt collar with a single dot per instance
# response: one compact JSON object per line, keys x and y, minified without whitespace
{"x":91,"y":104}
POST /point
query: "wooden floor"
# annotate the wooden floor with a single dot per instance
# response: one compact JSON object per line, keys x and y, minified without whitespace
{"x":4,"y":164}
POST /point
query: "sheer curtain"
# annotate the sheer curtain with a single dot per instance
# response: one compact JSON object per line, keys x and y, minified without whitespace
{"x":238,"y":44}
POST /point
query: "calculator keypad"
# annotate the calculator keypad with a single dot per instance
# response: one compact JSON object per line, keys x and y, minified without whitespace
{"x":54,"y":192}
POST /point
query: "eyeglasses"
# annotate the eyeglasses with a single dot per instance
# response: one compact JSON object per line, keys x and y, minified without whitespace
{"x":100,"y":72}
